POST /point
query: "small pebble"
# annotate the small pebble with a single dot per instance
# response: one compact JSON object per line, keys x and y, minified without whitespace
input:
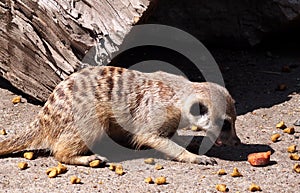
{"x":297,"y":122}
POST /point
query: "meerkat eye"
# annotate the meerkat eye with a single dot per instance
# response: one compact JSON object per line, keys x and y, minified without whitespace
{"x":198,"y":109}
{"x":226,"y":126}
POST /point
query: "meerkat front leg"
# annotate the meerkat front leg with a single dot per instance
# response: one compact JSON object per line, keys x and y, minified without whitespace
{"x":174,"y":151}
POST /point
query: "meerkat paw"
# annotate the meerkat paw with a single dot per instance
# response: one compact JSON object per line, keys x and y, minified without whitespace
{"x":97,"y":157}
{"x":204,"y":160}
{"x":189,"y":157}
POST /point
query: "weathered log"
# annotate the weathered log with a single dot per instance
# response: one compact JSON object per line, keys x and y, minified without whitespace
{"x":42,"y":42}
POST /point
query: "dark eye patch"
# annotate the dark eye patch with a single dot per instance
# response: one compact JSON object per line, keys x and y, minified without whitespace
{"x":226,"y":126}
{"x":198,"y":109}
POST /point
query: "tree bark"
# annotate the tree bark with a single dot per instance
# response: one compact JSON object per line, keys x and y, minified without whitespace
{"x":44,"y":41}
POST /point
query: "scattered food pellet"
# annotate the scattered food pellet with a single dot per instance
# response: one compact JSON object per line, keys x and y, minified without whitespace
{"x":194,"y":128}
{"x":294,"y":156}
{"x":94,"y":163}
{"x":149,"y":161}
{"x":292,"y":149}
{"x":16,"y":100}
{"x":286,"y":68}
{"x":75,"y":180}
{"x":160,"y":180}
{"x":289,"y":130}
{"x":254,"y":188}
{"x":259,"y":159}
{"x":100,"y":182}
{"x":297,"y":168}
{"x":22,"y":165}
{"x":52,"y":172}
{"x":28,"y":155}
{"x":3,"y":132}
{"x":222,"y":188}
{"x":158,"y":167}
{"x":275,"y":137}
{"x":61,"y":168}
{"x":280,"y":125}
{"x":221,"y":172}
{"x":148,"y":180}
{"x":136,"y":19}
{"x":112,"y":167}
{"x":236,"y":173}
{"x":119,"y":170}
{"x":282,"y":87}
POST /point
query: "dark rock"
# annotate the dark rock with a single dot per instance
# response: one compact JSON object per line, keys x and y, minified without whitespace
{"x":297,"y":122}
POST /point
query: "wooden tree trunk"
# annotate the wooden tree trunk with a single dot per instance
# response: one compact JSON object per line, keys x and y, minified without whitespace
{"x":42,"y":42}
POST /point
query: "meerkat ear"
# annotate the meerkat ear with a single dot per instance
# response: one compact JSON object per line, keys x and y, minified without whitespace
{"x":198,"y":109}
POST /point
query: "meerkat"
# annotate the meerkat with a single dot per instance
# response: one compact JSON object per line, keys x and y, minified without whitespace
{"x":131,"y":107}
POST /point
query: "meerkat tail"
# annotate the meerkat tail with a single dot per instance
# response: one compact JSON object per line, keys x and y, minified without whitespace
{"x":21,"y":142}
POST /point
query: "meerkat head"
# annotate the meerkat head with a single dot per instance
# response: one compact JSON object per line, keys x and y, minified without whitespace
{"x":211,"y":108}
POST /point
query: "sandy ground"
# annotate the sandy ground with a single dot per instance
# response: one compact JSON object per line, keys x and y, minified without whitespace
{"x":252,"y":78}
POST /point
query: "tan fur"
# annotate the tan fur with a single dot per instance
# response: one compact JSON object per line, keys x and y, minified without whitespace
{"x":139,"y":109}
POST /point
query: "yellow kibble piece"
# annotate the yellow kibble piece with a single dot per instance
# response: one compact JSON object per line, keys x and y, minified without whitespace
{"x":112,"y":167}
{"x":282,"y":87}
{"x":22,"y":165}
{"x":297,"y":168}
{"x":292,"y":149}
{"x":28,"y":155}
{"x":280,"y":125}
{"x":75,"y":180}
{"x":289,"y":130}
{"x":236,"y":173}
{"x":149,"y":161}
{"x":52,"y":172}
{"x":61,"y":168}
{"x":158,"y":167}
{"x":49,"y":170}
{"x":16,"y":100}
{"x":148,"y":180}
{"x":95,"y":163}
{"x":221,"y":188}
{"x":195,"y":128}
{"x":294,"y":156}
{"x":221,"y":172}
{"x":3,"y":132}
{"x":160,"y":180}
{"x":254,"y":188}
{"x":275,"y":137}
{"x":119,"y":170}
{"x":136,"y":19}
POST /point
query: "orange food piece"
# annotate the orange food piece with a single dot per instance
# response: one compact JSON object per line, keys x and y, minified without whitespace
{"x":259,"y":159}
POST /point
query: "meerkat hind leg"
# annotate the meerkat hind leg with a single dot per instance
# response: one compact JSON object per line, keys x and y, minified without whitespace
{"x":80,"y":160}
{"x":175,"y":151}
{"x":67,"y":156}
